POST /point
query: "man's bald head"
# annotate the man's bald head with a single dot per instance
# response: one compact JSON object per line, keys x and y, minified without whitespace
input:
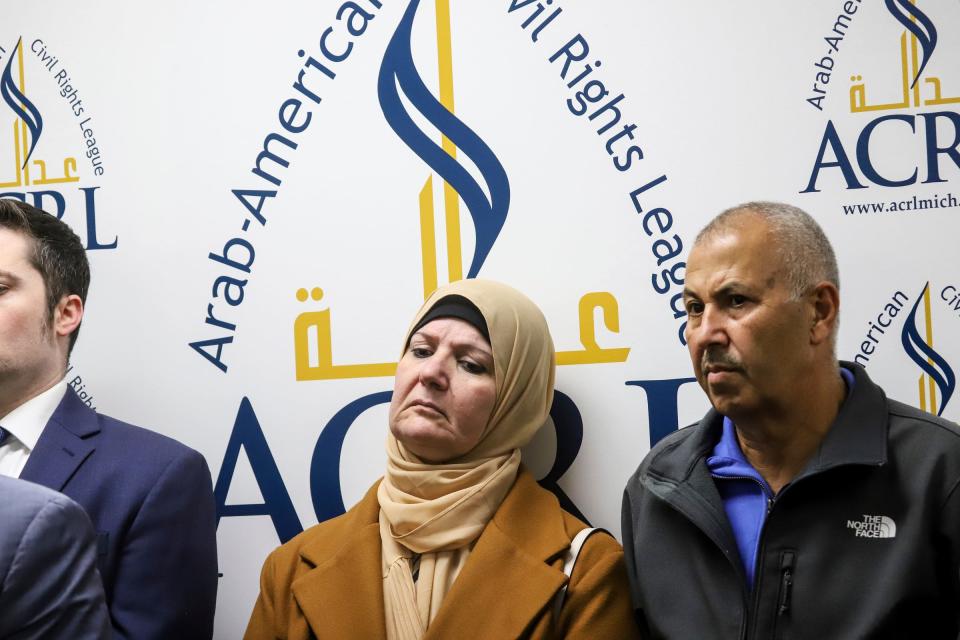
{"x":806,"y":253}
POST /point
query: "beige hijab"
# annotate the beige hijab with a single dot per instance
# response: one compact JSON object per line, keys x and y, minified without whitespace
{"x":439,"y":510}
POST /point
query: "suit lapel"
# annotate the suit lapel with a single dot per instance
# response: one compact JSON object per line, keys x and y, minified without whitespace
{"x":342,"y":596}
{"x":67,"y":441}
{"x":507,"y":580}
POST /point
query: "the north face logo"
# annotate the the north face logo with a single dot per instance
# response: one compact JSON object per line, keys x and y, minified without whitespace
{"x":873,"y":527}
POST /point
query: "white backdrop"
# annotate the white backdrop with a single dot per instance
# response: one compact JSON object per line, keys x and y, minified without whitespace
{"x":846,"y":109}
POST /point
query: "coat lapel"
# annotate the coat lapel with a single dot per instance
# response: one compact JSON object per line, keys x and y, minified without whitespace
{"x":511,"y":576}
{"x":507,"y":580}
{"x":342,"y":596}
{"x":66,"y":442}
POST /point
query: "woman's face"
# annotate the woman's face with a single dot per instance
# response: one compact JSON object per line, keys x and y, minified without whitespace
{"x":444,"y":391}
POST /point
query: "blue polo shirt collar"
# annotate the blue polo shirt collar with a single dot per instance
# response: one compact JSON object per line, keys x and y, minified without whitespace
{"x":745,"y":494}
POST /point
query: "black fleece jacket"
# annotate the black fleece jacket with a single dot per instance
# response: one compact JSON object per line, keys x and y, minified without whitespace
{"x":864,"y":543}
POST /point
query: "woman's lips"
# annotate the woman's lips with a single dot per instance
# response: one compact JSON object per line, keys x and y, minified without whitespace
{"x":427,"y":406}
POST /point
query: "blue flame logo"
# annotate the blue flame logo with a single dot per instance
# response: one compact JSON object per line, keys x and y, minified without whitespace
{"x":22,"y":107}
{"x":397,"y":72}
{"x":926,"y":358}
{"x":922,"y":29}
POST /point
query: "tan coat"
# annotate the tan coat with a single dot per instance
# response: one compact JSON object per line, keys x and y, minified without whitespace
{"x":326,"y":583}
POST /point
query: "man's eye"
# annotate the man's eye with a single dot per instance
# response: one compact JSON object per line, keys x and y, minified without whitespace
{"x":737,"y":300}
{"x":694,"y":308}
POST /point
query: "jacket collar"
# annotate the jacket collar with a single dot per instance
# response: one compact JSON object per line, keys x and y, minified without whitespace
{"x":66,"y":442}
{"x":859,"y":432}
{"x":677,"y":472}
{"x":342,"y":595}
{"x":858,"y":435}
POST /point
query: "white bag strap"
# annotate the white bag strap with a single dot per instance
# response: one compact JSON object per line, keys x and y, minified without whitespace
{"x":570,"y":560}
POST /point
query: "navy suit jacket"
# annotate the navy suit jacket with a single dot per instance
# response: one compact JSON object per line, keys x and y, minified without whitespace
{"x":151,"y":502}
{"x":49,"y":586}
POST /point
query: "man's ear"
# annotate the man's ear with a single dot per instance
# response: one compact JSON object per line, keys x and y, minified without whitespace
{"x":825,"y":298}
{"x":67,"y":315}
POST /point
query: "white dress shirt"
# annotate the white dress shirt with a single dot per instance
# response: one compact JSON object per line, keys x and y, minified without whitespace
{"x":24,"y":426}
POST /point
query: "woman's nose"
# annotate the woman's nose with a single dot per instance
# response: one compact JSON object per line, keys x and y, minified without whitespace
{"x":433,"y":371}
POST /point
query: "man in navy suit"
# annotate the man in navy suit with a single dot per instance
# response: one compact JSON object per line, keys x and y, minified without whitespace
{"x":149,"y":497}
{"x":49,"y":586}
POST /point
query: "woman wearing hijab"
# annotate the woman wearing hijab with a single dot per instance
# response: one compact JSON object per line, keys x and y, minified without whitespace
{"x":457,"y":540}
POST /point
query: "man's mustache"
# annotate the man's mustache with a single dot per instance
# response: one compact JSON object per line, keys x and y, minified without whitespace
{"x":718,"y":359}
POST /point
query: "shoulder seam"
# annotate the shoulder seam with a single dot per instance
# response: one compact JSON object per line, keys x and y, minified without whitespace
{"x":930,"y":419}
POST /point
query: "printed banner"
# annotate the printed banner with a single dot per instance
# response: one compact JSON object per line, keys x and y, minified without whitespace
{"x":268,"y":193}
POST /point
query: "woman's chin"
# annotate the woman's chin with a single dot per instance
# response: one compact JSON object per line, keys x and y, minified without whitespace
{"x":428,"y":445}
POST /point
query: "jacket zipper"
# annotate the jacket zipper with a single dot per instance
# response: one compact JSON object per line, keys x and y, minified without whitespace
{"x":750,"y":599}
{"x":787,"y":563}
{"x":754,"y":611}
{"x":786,"y":582}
